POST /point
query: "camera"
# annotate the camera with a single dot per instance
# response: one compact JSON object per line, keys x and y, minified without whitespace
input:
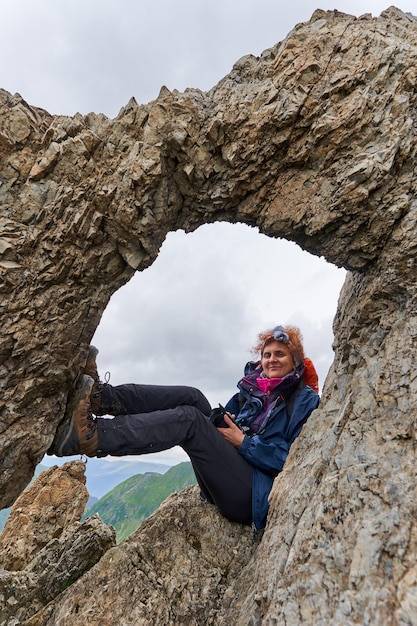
{"x":217,"y":417}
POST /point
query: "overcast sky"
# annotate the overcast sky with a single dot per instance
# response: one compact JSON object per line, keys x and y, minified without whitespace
{"x":192,"y":317}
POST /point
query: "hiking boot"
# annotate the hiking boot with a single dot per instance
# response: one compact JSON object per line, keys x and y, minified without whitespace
{"x":78,"y":432}
{"x":90,"y":369}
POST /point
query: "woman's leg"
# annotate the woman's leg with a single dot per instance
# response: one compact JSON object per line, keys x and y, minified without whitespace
{"x":132,"y":399}
{"x":223,"y":474}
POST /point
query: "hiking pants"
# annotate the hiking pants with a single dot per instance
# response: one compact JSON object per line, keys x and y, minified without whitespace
{"x":152,"y":418}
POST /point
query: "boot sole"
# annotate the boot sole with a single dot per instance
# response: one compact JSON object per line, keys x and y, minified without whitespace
{"x":81,"y":394}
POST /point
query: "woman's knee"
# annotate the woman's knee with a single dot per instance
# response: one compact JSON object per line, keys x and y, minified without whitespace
{"x":201,"y":402}
{"x":191,"y":396}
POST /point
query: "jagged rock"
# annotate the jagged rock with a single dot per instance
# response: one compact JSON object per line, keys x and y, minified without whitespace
{"x":52,"y":503}
{"x":43,"y":547}
{"x":181,"y":561}
{"x":314,"y":141}
{"x":18,"y":597}
{"x":175,"y":569}
{"x":62,"y":561}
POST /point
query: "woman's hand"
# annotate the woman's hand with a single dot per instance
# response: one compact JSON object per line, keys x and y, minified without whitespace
{"x":233,"y":434}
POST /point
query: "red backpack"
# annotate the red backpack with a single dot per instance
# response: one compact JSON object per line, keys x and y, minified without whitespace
{"x":310,"y":375}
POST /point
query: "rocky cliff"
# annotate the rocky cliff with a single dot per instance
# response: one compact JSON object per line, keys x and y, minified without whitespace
{"x":314,"y":141}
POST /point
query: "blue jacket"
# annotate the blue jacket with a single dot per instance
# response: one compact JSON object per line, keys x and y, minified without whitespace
{"x":267,"y":450}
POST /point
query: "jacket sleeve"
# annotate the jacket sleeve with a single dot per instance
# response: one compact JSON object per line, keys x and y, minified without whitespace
{"x":268,"y":451}
{"x":267,"y":456}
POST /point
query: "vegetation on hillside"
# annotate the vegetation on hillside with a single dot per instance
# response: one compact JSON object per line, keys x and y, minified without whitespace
{"x":133,"y":500}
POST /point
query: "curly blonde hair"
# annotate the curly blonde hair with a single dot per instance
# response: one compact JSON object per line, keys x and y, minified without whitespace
{"x":294,"y":341}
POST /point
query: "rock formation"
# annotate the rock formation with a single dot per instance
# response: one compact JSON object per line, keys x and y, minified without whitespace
{"x":314,"y":141}
{"x":43,"y":547}
{"x":170,"y":571}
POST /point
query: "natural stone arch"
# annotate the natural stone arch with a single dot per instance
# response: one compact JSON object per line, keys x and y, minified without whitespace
{"x":314,"y":142}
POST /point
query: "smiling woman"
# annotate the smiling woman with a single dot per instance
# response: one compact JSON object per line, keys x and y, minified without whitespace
{"x":235,"y":459}
{"x":281,"y":351}
{"x":276,"y":360}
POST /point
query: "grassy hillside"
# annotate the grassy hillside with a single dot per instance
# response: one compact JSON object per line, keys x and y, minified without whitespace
{"x":133,"y":500}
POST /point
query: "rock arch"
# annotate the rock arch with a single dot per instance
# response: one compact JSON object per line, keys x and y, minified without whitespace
{"x":315,"y":142}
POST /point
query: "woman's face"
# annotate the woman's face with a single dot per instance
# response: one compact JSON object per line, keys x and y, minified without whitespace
{"x":277,"y":360}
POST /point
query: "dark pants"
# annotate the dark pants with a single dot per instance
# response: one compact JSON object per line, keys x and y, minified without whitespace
{"x":151,"y":418}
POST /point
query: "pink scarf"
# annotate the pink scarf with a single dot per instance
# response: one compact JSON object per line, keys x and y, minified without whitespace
{"x":267,"y":384}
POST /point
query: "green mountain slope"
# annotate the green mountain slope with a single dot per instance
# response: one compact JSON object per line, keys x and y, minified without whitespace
{"x":133,"y":500}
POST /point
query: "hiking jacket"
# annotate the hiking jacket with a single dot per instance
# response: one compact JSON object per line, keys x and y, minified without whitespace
{"x":267,"y":450}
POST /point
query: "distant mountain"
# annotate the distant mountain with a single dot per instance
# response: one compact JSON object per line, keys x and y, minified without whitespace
{"x":103,"y":474}
{"x":128,"y":504}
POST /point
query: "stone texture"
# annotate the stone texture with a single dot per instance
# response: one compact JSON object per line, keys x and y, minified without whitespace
{"x":55,"y":501}
{"x":172,"y":570}
{"x":314,"y":141}
{"x":176,"y":569}
{"x":43,"y":547}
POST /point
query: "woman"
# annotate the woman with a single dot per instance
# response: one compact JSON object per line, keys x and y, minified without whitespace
{"x":235,"y":463}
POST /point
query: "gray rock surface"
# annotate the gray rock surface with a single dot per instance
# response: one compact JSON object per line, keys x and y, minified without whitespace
{"x":314,"y":141}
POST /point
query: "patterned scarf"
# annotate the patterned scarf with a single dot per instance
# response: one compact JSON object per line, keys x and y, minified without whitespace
{"x":275,"y":388}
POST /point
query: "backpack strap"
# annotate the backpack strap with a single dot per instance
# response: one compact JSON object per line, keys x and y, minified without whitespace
{"x":241,"y":400}
{"x":289,"y":403}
